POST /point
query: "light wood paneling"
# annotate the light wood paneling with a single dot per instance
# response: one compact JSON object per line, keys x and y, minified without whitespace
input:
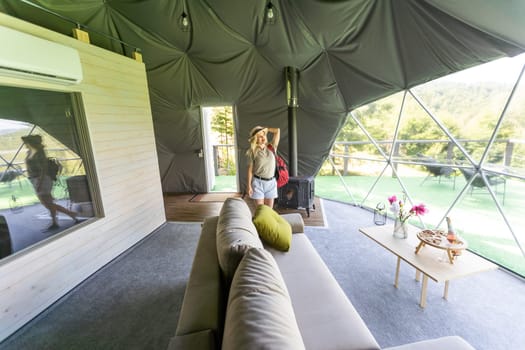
{"x":118,"y":113}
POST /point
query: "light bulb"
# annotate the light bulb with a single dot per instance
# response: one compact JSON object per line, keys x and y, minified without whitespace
{"x":184,"y":21}
{"x":270,"y":13}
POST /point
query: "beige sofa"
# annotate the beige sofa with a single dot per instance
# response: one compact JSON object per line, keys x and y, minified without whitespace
{"x":242,"y":294}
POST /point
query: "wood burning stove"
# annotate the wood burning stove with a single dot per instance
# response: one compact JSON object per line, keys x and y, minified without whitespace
{"x":298,"y":193}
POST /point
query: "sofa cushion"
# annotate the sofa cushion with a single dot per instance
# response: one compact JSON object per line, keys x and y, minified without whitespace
{"x":259,"y":314}
{"x":235,"y":235}
{"x":272,"y":228}
{"x":326,"y":318}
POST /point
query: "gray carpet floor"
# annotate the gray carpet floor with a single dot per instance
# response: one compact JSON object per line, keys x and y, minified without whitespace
{"x":28,"y":225}
{"x":487,"y":309}
{"x":134,"y":302}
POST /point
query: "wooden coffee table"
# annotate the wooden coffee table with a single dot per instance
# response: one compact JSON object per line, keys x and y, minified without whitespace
{"x":427,"y":261}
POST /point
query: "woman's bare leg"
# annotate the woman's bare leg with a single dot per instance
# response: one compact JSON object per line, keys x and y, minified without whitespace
{"x":68,"y":212}
{"x":48,"y":202}
{"x":269,"y":202}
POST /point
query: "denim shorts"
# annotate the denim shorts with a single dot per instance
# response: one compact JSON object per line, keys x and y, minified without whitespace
{"x":264,"y":188}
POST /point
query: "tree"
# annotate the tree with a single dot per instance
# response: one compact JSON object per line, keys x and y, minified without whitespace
{"x":222,"y":124}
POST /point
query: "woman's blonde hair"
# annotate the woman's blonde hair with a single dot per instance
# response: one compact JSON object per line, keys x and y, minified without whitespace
{"x":253,"y":139}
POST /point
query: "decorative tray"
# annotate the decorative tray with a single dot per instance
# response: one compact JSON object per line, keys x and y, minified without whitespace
{"x":438,"y":239}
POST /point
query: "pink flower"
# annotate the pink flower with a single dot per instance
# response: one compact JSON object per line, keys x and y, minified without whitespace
{"x":392,"y":199}
{"x":397,"y":207}
{"x":419,"y":209}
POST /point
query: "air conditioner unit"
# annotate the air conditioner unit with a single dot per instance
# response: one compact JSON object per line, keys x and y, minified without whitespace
{"x":24,"y":55}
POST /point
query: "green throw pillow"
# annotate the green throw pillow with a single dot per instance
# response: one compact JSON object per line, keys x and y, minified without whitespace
{"x":272,"y":228}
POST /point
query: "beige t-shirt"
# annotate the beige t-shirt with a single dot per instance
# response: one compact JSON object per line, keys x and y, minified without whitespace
{"x":263,"y":163}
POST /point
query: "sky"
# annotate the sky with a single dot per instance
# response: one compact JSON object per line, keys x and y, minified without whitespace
{"x":504,"y":69}
{"x":11,"y":125}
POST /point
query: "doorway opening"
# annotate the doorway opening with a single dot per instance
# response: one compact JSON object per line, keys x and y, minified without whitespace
{"x":220,"y":149}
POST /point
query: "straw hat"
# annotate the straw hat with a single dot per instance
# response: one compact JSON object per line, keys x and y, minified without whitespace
{"x":258,"y":129}
{"x":34,"y":140}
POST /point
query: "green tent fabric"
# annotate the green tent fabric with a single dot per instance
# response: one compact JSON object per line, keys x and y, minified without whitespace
{"x":348,"y":53}
{"x":47,"y":109}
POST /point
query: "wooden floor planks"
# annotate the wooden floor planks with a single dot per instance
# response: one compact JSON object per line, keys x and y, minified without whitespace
{"x":181,"y":207}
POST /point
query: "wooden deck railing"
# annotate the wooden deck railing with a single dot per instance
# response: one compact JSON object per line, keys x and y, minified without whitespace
{"x":508,"y":156}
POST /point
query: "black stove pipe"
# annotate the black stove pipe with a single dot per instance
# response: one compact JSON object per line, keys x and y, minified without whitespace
{"x":292,"y":79}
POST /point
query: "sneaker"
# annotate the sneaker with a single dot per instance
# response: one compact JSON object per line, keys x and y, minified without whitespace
{"x":52,"y":227}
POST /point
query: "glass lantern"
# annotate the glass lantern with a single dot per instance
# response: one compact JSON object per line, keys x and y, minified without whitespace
{"x":380,"y":214}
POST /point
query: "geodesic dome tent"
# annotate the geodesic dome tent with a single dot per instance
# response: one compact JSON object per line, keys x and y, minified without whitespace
{"x":347,"y":53}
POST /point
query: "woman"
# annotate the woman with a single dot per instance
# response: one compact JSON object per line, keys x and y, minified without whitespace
{"x":36,"y":165}
{"x":262,"y":185}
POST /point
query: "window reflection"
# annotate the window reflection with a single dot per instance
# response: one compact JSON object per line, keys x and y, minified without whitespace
{"x":36,"y":125}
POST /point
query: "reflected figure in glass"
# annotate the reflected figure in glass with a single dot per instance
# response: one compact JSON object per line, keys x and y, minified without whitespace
{"x":38,"y":172}
{"x":35,"y":204}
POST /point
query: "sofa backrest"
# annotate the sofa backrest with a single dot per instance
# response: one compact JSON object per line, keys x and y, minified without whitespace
{"x":236,"y":234}
{"x":203,"y":308}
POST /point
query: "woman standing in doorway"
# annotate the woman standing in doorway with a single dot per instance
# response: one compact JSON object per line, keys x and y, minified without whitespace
{"x":262,"y":185}
{"x":36,"y":165}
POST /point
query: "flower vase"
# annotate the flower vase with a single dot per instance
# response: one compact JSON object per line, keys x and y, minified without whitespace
{"x":400,"y":229}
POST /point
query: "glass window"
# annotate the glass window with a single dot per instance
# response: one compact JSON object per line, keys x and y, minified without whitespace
{"x":456,"y":144}
{"x":47,"y":181}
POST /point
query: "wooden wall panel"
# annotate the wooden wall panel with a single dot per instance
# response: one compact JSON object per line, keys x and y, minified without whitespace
{"x":116,"y":104}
